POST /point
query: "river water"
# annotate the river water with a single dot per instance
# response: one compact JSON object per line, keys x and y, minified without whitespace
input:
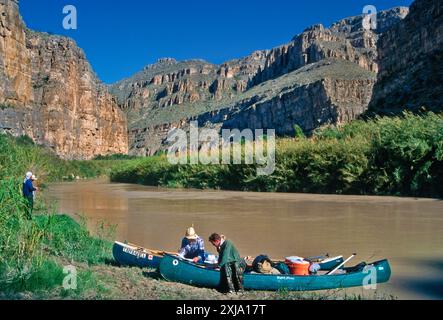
{"x":407,"y":231}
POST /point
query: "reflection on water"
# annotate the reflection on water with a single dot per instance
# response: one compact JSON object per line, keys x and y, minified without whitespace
{"x":409,"y":232}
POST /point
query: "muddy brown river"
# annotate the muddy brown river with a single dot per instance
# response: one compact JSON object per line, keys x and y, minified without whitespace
{"x":407,"y":231}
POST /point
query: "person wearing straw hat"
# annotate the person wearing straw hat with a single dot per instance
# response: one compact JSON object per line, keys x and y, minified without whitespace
{"x":28,"y":192}
{"x":192,"y":247}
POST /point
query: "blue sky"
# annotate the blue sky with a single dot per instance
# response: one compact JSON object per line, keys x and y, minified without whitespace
{"x":121,"y":37}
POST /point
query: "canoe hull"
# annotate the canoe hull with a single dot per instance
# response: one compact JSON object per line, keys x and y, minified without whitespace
{"x":128,"y":255}
{"x":177,"y":270}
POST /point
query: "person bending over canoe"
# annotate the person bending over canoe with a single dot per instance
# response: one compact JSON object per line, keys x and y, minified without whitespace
{"x":193,"y":247}
{"x":232,"y":266}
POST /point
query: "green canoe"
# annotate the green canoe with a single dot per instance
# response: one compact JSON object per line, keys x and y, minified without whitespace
{"x":175,"y":269}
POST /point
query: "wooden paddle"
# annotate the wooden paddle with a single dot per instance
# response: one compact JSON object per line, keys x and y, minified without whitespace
{"x":157,"y":252}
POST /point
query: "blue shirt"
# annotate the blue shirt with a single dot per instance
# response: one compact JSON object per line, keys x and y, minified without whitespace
{"x":192,"y":250}
{"x":28,"y":188}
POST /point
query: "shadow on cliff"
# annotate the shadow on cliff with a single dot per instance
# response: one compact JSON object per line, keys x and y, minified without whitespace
{"x":416,"y":89}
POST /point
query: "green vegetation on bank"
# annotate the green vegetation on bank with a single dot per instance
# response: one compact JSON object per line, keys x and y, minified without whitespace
{"x":117,"y":156}
{"x":19,"y":155}
{"x":383,"y":156}
{"x":33,"y":253}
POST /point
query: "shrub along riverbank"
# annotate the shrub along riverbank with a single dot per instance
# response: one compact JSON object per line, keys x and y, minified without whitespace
{"x":383,"y":156}
{"x":19,"y":155}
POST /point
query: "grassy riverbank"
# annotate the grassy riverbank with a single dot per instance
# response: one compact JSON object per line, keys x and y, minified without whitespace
{"x":31,"y":251}
{"x":33,"y":255}
{"x":383,"y":156}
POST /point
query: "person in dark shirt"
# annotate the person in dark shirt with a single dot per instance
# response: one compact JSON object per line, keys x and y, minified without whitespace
{"x":28,"y":194}
{"x":232,"y":266}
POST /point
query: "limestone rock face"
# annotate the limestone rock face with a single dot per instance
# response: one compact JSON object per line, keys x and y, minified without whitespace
{"x":170,"y":91}
{"x":411,"y":62}
{"x":15,"y":72}
{"x":49,"y":92}
{"x":329,"y":91}
{"x":312,"y":98}
{"x":169,"y":82}
{"x":346,"y":39}
{"x":323,"y":76}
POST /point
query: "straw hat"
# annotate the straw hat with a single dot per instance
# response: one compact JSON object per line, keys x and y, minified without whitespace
{"x":190,"y":234}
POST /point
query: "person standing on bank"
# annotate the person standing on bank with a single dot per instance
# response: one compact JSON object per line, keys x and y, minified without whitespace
{"x":192,"y":247}
{"x":232,"y":266}
{"x":28,"y":193}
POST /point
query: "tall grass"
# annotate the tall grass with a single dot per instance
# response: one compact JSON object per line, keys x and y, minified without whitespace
{"x":31,"y":251}
{"x":20,"y":255}
{"x":384,"y":156}
{"x":71,"y":240}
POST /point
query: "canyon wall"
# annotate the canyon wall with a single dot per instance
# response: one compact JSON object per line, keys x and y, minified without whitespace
{"x":411,"y":62}
{"x":49,"y":92}
{"x":323,"y":76}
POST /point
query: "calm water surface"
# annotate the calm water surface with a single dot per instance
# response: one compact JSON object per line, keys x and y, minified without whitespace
{"x":407,"y":231}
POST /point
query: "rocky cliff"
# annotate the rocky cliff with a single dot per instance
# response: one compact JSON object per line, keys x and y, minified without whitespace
{"x":171,"y":83}
{"x":329,"y":91}
{"x":49,"y":92}
{"x":411,"y":62}
{"x":323,"y":76}
{"x":15,"y":61}
{"x":346,"y":39}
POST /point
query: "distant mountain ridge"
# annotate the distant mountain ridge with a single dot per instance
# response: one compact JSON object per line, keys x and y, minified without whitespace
{"x":324,"y":75}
